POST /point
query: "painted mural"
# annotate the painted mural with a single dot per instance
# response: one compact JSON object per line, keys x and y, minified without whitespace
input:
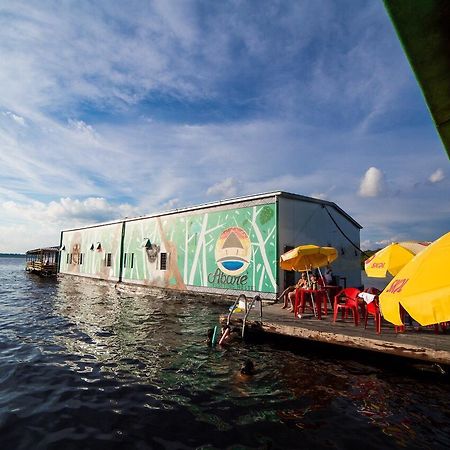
{"x":230,"y":249}
{"x":86,"y":252}
{"x":233,"y":249}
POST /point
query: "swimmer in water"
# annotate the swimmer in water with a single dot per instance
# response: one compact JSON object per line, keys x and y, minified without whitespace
{"x":247,"y":368}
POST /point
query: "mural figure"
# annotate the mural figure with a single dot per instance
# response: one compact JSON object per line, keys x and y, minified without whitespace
{"x":152,"y":252}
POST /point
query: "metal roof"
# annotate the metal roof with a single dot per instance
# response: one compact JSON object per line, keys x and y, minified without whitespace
{"x":423,"y":28}
{"x":228,"y":202}
{"x":44,"y":249}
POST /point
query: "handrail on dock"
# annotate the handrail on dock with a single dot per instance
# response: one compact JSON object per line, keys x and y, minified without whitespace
{"x":234,"y":307}
{"x":247,"y":311}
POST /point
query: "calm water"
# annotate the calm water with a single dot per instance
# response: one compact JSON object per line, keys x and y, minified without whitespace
{"x":83,"y":366}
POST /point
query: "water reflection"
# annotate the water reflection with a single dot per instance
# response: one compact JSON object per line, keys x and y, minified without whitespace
{"x":85,"y":366}
{"x":126,"y":335}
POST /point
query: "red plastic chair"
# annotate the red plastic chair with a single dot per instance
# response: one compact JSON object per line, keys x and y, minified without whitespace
{"x":347,"y":300}
{"x":373,"y":309}
{"x":317,"y":301}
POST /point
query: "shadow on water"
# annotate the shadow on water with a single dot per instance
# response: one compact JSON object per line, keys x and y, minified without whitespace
{"x":83,"y":365}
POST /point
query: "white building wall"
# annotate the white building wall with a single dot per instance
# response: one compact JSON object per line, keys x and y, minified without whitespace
{"x":94,"y":243}
{"x":303,"y":222}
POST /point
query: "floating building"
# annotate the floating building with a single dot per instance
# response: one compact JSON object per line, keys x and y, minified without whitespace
{"x":226,"y":247}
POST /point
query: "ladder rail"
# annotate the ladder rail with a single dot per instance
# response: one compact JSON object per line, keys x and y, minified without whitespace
{"x":235,"y":306}
{"x":248,"y":310}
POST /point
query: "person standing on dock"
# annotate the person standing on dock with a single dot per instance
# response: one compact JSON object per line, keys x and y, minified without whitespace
{"x":328,"y":275}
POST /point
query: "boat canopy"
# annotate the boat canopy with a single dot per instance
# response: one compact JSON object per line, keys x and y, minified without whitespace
{"x":424,"y":31}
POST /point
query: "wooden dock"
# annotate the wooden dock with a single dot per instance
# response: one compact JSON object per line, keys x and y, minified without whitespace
{"x":424,"y":345}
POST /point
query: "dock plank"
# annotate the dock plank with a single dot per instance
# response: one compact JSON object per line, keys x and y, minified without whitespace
{"x":423,"y":345}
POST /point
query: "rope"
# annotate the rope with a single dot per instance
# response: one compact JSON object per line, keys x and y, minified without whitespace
{"x":343,"y":234}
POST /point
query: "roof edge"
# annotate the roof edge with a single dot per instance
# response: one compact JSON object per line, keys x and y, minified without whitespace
{"x":228,"y":201}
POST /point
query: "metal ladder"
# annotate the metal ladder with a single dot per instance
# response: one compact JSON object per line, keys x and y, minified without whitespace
{"x":248,"y":309}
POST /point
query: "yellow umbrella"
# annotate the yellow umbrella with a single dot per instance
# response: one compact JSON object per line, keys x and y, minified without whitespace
{"x":306,"y":257}
{"x":392,"y":258}
{"x":422,"y":287}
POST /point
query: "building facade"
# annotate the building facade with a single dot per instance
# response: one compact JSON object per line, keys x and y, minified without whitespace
{"x":232,"y":246}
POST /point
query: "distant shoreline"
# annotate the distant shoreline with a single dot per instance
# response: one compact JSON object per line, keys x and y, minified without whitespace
{"x":12,"y":255}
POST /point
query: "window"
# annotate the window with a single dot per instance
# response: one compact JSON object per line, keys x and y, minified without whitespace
{"x":128,"y":260}
{"x":108,"y":259}
{"x":163,"y":261}
{"x":70,"y":261}
{"x":80,"y":259}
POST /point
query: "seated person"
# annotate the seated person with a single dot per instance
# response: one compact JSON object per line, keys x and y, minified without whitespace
{"x":302,"y":283}
{"x":288,"y":290}
{"x":313,"y":282}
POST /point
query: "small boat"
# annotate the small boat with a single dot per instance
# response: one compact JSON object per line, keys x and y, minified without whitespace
{"x":43,"y":261}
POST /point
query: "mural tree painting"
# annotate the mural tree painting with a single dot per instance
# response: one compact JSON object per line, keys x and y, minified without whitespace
{"x":225,"y":249}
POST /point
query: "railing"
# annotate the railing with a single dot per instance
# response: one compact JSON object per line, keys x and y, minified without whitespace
{"x":34,"y":265}
{"x":234,"y":307}
{"x":248,"y":310}
{"x":39,"y":266}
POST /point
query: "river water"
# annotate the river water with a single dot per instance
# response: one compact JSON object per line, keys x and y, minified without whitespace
{"x":83,"y":366}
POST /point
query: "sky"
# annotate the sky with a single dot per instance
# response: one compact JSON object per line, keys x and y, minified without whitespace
{"x":113,"y":109}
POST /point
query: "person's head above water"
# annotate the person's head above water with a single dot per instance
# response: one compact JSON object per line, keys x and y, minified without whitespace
{"x":247,"y":368}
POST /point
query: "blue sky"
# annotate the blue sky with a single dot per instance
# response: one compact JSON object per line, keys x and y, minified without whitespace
{"x":113,"y":109}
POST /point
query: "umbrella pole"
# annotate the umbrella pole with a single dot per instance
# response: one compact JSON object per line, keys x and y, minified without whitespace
{"x":307,"y":274}
{"x":311,"y":294}
{"x":321,"y":276}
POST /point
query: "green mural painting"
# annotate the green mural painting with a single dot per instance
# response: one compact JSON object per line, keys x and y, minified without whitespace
{"x":226,"y":249}
{"x":230,"y":249}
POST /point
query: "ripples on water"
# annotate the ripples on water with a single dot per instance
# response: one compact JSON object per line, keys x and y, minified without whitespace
{"x":84,"y":366}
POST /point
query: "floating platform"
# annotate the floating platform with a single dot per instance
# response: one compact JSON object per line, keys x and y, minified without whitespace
{"x":424,"y":345}
{"x":43,"y":261}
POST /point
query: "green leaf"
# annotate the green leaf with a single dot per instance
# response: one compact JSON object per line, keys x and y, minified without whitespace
{"x":265,"y":215}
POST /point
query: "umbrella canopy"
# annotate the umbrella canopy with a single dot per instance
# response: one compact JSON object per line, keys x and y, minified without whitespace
{"x":307,"y":257}
{"x":392,"y":258}
{"x":422,"y":287}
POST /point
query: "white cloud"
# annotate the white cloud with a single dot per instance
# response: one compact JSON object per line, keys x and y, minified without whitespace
{"x":83,"y":129}
{"x":225,"y":188}
{"x":437,"y":176}
{"x":372,"y":183}
{"x":18,"y":119}
{"x":33,"y":224}
{"x":67,"y":211}
{"x":173,"y":203}
{"x":84,"y":136}
{"x":319,"y":195}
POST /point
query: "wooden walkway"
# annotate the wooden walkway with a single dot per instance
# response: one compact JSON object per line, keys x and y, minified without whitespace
{"x":423,"y":345}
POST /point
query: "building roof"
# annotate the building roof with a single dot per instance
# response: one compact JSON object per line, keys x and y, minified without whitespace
{"x":423,"y":28}
{"x":230,"y":201}
{"x":44,"y":249}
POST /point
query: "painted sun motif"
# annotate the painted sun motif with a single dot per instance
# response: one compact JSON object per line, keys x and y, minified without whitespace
{"x":233,"y":251}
